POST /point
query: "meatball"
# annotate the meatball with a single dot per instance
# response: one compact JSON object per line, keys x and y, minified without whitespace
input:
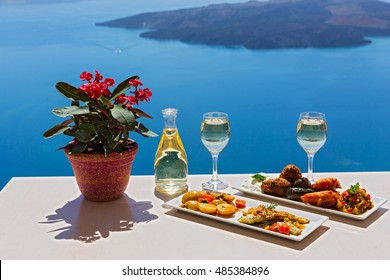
{"x":302,"y":182}
{"x":276,"y":187}
{"x":295,"y":193}
{"x":291,"y":173}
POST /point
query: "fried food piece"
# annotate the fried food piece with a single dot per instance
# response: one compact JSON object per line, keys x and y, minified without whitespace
{"x":325,"y":199}
{"x":276,"y":187}
{"x":257,"y":215}
{"x":326,"y":184}
{"x":291,"y":173}
{"x":282,"y":215}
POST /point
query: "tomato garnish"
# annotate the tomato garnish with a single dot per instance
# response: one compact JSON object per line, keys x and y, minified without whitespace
{"x":240,"y":203}
{"x":280,"y":227}
{"x":207,"y":198}
{"x":274,"y":227}
{"x":284,"y":228}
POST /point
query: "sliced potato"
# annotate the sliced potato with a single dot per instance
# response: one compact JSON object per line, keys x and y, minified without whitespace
{"x":226,"y":209}
{"x":191,"y":195}
{"x":218,"y":201}
{"x":192,"y":205}
{"x":228,"y":197}
{"x":207,"y":208}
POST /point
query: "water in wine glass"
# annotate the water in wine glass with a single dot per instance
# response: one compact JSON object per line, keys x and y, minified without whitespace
{"x":311,"y":134}
{"x":215,"y":134}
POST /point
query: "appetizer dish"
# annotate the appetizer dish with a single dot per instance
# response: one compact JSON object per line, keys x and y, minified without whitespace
{"x":271,"y":219}
{"x":211,"y":203}
{"x":355,"y":200}
{"x":324,"y":194}
{"x":256,"y":215}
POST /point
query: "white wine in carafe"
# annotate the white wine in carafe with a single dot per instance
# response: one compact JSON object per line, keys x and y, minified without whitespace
{"x":170,"y":164}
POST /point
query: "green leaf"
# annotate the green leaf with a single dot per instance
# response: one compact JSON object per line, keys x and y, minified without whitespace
{"x":272,"y":205}
{"x":123,"y":115}
{"x":78,"y":148}
{"x":354,"y":188}
{"x":111,"y":136}
{"x":70,"y":111}
{"x":105,"y":101}
{"x":140,"y":113}
{"x":258,"y":178}
{"x":100,"y":125}
{"x":141,"y":129}
{"x":122,"y":87}
{"x":76,"y":103}
{"x":55,"y":130}
{"x":86,"y":133}
{"x":72,"y":93}
{"x":67,"y":122}
{"x":94,"y":106}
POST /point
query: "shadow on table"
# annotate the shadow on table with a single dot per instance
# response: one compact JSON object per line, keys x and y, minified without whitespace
{"x":90,"y":221}
{"x":360,"y":223}
{"x":300,"y":246}
{"x":167,"y":197}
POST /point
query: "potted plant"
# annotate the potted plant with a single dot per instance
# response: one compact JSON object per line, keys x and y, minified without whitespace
{"x":100,"y":121}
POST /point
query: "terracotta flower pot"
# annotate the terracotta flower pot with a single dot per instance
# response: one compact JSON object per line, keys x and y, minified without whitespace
{"x":102,"y":178}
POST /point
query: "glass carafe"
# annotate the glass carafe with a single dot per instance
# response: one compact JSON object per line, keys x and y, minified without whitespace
{"x":170,"y":162}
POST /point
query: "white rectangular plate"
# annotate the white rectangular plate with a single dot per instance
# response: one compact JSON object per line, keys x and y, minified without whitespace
{"x":246,"y":187}
{"x":315,"y":220}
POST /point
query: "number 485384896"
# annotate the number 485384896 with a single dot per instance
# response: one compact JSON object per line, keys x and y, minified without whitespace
{"x":240,"y":270}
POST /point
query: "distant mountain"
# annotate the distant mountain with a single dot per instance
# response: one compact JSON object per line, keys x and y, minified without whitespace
{"x":268,"y":25}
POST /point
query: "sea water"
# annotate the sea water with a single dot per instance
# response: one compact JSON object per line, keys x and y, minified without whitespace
{"x":263,"y":91}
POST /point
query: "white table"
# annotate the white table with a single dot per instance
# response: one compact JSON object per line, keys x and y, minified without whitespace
{"x":47,"y":218}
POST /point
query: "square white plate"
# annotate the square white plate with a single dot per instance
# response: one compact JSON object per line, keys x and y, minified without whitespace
{"x":247,"y":187}
{"x":315,"y":219}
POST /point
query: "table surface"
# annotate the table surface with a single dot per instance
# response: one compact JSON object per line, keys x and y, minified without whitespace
{"x":47,"y":218}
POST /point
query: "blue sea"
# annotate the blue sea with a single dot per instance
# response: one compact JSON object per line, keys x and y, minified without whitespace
{"x":263,"y":91}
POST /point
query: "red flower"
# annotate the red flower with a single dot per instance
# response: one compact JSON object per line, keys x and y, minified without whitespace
{"x":95,"y":89}
{"x":144,"y":94}
{"x":86,"y":76}
{"x":121,"y":99}
{"x":98,"y":76}
{"x":135,"y":82}
{"x":109,"y":82}
{"x":131,"y":100}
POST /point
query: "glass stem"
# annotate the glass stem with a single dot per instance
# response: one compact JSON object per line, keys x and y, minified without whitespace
{"x":215,"y":167}
{"x":310,"y":158}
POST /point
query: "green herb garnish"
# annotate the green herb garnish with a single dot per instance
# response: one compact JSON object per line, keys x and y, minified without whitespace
{"x":354,"y":188}
{"x":258,"y":178}
{"x":272,"y":205}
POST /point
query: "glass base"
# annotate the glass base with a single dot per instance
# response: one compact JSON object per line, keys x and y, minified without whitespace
{"x":171,"y":189}
{"x":214,"y":185}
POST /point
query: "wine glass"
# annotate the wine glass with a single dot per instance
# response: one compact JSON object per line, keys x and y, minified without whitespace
{"x":311,"y":136}
{"x":215,"y":134}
